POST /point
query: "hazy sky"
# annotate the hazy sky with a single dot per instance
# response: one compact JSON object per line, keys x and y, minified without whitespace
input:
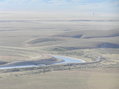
{"x":81,"y":6}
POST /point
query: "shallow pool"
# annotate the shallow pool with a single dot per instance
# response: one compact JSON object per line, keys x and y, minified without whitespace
{"x":68,"y":60}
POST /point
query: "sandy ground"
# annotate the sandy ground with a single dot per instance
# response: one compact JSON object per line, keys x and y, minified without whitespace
{"x":73,"y":79}
{"x":28,"y":38}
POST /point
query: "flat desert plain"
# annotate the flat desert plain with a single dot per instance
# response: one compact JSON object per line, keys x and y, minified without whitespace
{"x":37,"y":38}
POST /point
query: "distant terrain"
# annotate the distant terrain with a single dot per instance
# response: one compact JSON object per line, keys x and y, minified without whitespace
{"x":87,"y":39}
{"x":36,"y":40}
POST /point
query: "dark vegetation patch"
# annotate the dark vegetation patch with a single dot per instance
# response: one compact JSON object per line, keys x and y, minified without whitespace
{"x":37,"y":62}
{"x":94,"y":20}
{"x":105,"y":36}
{"x":60,"y":48}
{"x":108,"y":45}
{"x":41,"y":40}
{"x":70,"y":48}
{"x":2,"y":62}
{"x":86,"y":34}
{"x":82,"y":39}
{"x":72,"y":35}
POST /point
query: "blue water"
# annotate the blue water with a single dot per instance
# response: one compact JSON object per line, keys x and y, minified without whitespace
{"x":68,"y":60}
{"x":64,"y":59}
